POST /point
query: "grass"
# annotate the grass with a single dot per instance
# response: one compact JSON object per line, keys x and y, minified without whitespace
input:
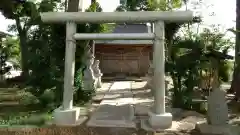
{"x":18,"y":107}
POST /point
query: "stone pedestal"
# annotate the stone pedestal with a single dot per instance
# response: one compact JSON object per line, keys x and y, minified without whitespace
{"x":163,"y":121}
{"x":89,"y":80}
{"x":66,"y":117}
{"x":97,"y":73}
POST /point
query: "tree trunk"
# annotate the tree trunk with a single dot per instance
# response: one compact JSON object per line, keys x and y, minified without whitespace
{"x":73,"y":5}
{"x":65,"y":5}
{"x":23,"y":47}
{"x":236,"y":74}
{"x":24,"y":54}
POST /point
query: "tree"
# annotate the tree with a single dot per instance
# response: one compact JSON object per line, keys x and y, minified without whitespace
{"x":9,"y":51}
{"x":13,"y":48}
{"x":193,"y":59}
{"x":73,"y":6}
{"x":4,"y":55}
{"x":236,"y":73}
{"x":25,"y":15}
{"x":152,"y":5}
{"x":47,"y":50}
{"x":149,"y":5}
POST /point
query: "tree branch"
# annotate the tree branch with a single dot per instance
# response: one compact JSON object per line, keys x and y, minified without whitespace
{"x":18,"y":24}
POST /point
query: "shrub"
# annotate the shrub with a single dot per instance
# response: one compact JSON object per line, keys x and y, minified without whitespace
{"x":27,"y":98}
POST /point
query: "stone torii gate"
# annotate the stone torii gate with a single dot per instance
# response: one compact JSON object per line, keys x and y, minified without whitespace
{"x":67,"y":114}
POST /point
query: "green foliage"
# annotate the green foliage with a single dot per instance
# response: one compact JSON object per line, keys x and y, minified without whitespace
{"x":171,"y":28}
{"x":35,"y":120}
{"x":81,"y":96}
{"x":12,"y":47}
{"x":190,"y":57}
{"x":83,"y":46}
{"x":26,"y":16}
{"x":47,"y":61}
{"x":26,"y":98}
{"x":25,"y":11}
{"x":186,"y":56}
{"x":47,"y":50}
{"x":225,"y":70}
{"x":4,"y":55}
{"x":149,"y":5}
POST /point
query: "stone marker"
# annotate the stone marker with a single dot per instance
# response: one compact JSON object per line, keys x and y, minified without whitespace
{"x":217,"y":108}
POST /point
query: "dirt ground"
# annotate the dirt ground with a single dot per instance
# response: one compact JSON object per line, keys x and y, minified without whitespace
{"x":83,"y":130}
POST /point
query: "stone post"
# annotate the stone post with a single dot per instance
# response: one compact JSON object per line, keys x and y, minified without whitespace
{"x":69,"y":66}
{"x":67,"y":114}
{"x":159,"y":73}
{"x":159,"y":118}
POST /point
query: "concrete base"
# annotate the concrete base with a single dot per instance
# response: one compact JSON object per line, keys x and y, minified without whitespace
{"x":66,"y":117}
{"x":162,"y":121}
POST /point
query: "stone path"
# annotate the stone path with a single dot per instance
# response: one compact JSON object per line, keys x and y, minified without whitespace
{"x":123,"y":104}
{"x":126,"y":104}
{"x":116,"y":109}
{"x":101,"y":92}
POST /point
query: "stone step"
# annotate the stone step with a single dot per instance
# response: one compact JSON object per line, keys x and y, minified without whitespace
{"x":113,"y":116}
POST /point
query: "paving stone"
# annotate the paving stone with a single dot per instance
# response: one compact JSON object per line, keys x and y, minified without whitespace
{"x":123,"y":101}
{"x":205,"y":128}
{"x":105,"y":86}
{"x":137,"y":85}
{"x":108,"y":102}
{"x":142,"y":92}
{"x":128,"y":94}
{"x":100,"y":92}
{"x":235,"y":121}
{"x":120,"y":85}
{"x":113,"y":96}
{"x":176,"y":127}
